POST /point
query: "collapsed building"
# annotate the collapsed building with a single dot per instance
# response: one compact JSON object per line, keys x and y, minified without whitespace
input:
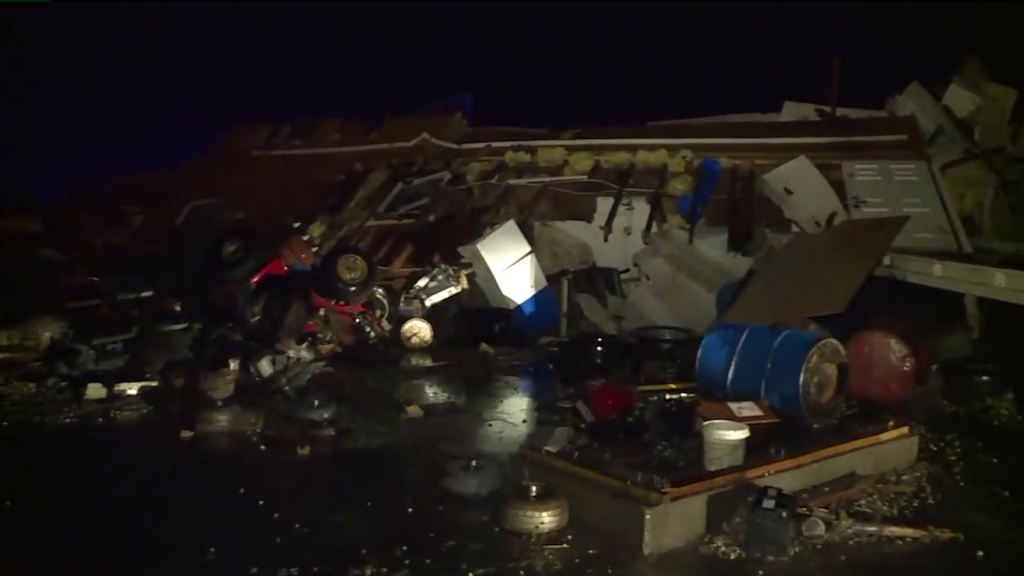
{"x":417,"y":188}
{"x":790,"y":212}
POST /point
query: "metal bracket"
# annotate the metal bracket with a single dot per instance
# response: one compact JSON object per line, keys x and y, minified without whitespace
{"x":619,"y":193}
{"x":655,"y":201}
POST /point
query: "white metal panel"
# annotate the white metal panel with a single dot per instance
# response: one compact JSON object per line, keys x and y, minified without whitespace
{"x":804,"y":195}
{"x":507,"y":269}
{"x":1002,"y":284}
{"x":877,"y":189}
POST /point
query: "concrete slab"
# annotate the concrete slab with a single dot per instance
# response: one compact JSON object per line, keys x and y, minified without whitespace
{"x":652,"y":529}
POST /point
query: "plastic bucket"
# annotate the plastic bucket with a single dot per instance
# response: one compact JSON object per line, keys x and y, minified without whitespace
{"x":725,"y":444}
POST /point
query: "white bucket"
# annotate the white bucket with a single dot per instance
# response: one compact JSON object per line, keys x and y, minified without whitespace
{"x":725,"y":443}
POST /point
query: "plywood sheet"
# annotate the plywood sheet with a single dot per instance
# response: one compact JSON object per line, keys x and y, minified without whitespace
{"x":815,"y":274}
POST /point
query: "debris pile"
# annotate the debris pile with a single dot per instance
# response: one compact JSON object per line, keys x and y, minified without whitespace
{"x":848,"y":511}
{"x":667,"y":309}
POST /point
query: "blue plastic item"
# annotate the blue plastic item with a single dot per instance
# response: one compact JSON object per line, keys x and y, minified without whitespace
{"x":783,"y":367}
{"x":726,"y":296}
{"x":709,"y":173}
{"x":786,"y":383}
{"x":714,"y":359}
{"x":747,"y":374}
{"x":538,"y":314}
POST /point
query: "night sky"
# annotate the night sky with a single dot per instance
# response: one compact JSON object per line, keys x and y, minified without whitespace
{"x":93,"y":91}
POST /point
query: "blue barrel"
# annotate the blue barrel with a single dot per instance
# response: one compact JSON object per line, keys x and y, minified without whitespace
{"x":732,"y":360}
{"x":796,"y":372}
{"x":803,"y":376}
{"x":746,"y":379}
{"x":714,"y":359}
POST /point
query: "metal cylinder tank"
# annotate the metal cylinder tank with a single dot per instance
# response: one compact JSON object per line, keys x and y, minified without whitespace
{"x":714,"y":359}
{"x":883,"y":368}
{"x":747,"y":372}
{"x":806,"y":375}
{"x":799,"y":373}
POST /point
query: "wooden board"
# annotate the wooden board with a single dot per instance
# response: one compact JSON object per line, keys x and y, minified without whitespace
{"x":650,"y":497}
{"x":720,"y":410}
{"x":815,"y":274}
{"x":739,"y":476}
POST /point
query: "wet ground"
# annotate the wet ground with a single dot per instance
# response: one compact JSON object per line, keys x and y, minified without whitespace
{"x":124,"y":492}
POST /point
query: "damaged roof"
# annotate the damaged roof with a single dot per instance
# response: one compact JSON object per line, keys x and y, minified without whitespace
{"x":450,"y":132}
{"x":294,"y":170}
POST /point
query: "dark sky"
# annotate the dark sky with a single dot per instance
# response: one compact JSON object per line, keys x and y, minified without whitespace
{"x":95,"y":91}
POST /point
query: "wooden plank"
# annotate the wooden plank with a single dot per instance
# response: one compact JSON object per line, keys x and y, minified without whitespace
{"x":643,"y":495}
{"x":390,"y":222}
{"x":784,"y":465}
{"x":654,"y":498}
{"x":402,"y":257}
{"x":365,"y":239}
{"x":380,"y":254}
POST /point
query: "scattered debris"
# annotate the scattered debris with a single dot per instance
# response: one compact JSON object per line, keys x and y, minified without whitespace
{"x":473,"y":478}
{"x":534,"y":508}
{"x":96,"y":391}
{"x":364,"y":321}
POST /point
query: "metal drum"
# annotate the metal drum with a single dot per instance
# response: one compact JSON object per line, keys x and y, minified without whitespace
{"x":747,"y":373}
{"x":715,"y":357}
{"x":883,"y":369}
{"x":799,"y":373}
{"x":805,"y":376}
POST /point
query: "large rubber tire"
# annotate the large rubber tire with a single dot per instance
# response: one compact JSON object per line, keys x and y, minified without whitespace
{"x":233,"y":255}
{"x":344,"y":272}
{"x":534,"y":509}
{"x":283,"y":307}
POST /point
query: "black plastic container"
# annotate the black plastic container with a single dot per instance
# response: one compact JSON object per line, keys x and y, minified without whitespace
{"x":665,"y":354}
{"x":584,"y":357}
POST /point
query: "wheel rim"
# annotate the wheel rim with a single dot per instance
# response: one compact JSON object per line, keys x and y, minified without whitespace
{"x":352,"y":268}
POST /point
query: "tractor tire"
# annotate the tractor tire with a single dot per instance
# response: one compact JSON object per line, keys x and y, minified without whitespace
{"x":345,"y":271}
{"x":534,"y":509}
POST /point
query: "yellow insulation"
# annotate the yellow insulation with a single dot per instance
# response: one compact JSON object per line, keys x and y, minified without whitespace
{"x":580,"y":164}
{"x":651,"y":158}
{"x":679,"y":161}
{"x":516,"y":157}
{"x":617,"y":159}
{"x":968,"y":185}
{"x":679,"y":185}
{"x":548,"y":157}
{"x":475,"y":171}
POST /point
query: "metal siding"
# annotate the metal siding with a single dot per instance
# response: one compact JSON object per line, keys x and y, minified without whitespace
{"x":879,"y":189}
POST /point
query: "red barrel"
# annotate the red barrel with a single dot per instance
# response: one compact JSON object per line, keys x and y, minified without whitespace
{"x":882,"y":368}
{"x":906,"y":332}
